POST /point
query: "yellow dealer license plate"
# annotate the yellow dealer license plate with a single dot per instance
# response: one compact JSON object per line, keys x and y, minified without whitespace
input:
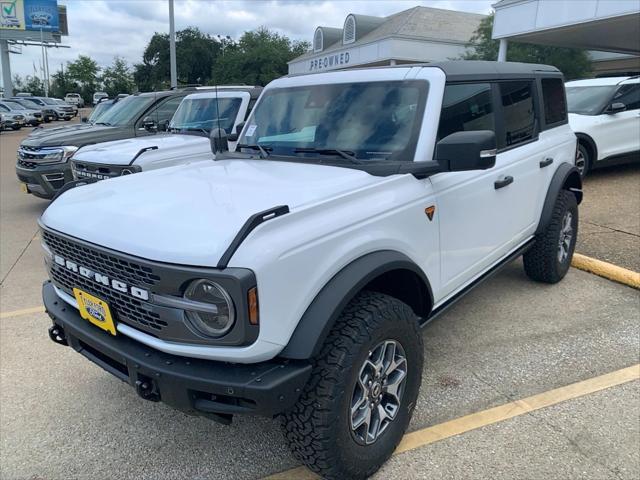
{"x":95,"y":310}
{"x":23,"y":188}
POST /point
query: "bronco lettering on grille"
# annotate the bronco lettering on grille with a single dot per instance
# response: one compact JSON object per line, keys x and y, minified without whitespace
{"x":117,"y":285}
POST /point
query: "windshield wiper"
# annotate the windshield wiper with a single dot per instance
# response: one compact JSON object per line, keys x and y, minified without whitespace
{"x":347,"y":155}
{"x":102,"y":123}
{"x":264,"y":151}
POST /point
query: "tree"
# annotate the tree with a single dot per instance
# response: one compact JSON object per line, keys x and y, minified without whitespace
{"x":84,"y":72}
{"x":573,"y":63}
{"x":31,"y":84}
{"x":259,"y":57}
{"x":196,"y":53}
{"x":117,"y":78}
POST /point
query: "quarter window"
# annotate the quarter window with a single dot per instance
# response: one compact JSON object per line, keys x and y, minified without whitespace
{"x":466,"y":107}
{"x":555,"y":106}
{"x":519,"y":113}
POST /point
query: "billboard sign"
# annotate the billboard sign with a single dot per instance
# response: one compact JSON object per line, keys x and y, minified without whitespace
{"x":12,"y":15}
{"x":35,"y":15}
{"x":41,"y":15}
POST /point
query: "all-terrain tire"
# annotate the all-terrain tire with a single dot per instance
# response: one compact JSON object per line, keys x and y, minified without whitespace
{"x":542,"y":262}
{"x":318,"y":428}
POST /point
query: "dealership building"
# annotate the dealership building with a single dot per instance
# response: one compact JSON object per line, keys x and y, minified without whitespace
{"x":417,"y":35}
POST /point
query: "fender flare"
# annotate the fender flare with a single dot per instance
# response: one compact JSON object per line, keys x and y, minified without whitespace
{"x":326,"y":307}
{"x":566,"y":177}
{"x":583,"y":137}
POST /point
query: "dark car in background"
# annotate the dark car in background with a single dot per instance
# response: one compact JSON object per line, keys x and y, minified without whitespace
{"x":43,"y":157}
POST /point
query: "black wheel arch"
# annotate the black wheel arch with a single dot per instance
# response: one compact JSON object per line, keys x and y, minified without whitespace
{"x":386,"y":271}
{"x":590,"y":144}
{"x":566,"y":177}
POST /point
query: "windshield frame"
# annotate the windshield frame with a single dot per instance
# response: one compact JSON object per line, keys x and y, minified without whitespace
{"x":244,"y":98}
{"x":608,"y":91}
{"x":405,"y":155}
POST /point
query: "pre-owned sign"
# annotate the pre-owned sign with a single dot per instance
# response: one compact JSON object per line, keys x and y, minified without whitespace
{"x":328,"y":62}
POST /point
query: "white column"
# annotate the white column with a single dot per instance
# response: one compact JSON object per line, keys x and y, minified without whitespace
{"x":502,"y":52}
{"x":172,"y":46}
{"x":392,"y":62}
{"x":6,"y":69}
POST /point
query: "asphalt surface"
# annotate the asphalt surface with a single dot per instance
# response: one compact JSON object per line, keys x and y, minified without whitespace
{"x":61,"y":417}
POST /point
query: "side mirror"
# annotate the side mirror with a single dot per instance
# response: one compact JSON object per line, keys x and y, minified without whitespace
{"x":218,"y":140}
{"x":84,"y":119}
{"x":149,"y":124}
{"x":163,"y":126}
{"x":462,"y":151}
{"x":616,"y":107}
{"x":234,"y":135}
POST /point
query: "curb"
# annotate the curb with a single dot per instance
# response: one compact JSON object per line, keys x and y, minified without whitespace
{"x":606,"y":270}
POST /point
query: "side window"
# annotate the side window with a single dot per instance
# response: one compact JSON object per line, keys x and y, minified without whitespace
{"x":466,"y":107}
{"x":555,"y":106}
{"x":519,"y":112}
{"x":629,"y":95}
{"x":165,"y":110}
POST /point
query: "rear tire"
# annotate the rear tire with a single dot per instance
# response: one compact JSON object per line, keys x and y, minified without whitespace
{"x":339,"y":427}
{"x":583,"y":159}
{"x":550,"y":257}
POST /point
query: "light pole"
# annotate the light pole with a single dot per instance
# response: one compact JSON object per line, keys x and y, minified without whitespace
{"x":172,"y":47}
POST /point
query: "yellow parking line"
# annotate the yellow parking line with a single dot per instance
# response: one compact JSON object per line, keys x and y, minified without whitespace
{"x":606,"y":270}
{"x":477,"y":420}
{"x":24,"y":311}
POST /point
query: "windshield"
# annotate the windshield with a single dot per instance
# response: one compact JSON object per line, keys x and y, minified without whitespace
{"x":202,"y":114}
{"x":367,"y":120}
{"x":28,"y":104}
{"x":589,"y":100}
{"x":49,"y":101}
{"x":99,"y":110}
{"x":126,"y":111}
{"x":12,"y":106}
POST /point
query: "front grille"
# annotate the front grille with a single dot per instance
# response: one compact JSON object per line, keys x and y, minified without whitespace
{"x":100,"y":172}
{"x":126,"y":308}
{"x":128,"y":272}
{"x":30,"y":165}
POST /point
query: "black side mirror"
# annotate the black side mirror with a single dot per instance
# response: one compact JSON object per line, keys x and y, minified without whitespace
{"x":149,"y":124}
{"x":462,"y":151}
{"x":218,"y":139}
{"x":84,"y":119}
{"x":616,"y":107}
{"x":163,"y":126}
{"x":234,"y":135}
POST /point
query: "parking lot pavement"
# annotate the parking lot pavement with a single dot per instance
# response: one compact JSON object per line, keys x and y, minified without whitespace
{"x":610,"y":216}
{"x":62,"y":417}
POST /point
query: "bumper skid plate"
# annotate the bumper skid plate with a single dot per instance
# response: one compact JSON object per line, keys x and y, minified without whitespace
{"x":213,"y":389}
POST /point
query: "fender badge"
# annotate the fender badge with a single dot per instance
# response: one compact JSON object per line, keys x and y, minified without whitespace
{"x":430,"y":211}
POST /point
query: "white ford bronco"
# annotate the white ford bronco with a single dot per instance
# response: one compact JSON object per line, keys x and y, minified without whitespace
{"x":292,"y":277}
{"x":186,"y":140}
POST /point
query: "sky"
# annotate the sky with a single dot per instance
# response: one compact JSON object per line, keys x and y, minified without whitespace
{"x":103,"y":29}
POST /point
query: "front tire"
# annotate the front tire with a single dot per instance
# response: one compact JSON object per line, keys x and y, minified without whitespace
{"x":353,"y":412}
{"x":550,"y":257}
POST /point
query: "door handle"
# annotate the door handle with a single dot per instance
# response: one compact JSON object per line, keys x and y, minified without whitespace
{"x":546,"y":162}
{"x":503,"y":182}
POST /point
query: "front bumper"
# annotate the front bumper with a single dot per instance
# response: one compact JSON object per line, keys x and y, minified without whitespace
{"x":196,"y":387}
{"x":44,"y":181}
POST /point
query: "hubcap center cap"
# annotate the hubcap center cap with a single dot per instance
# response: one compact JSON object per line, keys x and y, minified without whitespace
{"x":376,"y":389}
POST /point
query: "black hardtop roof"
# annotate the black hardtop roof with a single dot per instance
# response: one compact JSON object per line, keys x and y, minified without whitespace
{"x":254,"y":92}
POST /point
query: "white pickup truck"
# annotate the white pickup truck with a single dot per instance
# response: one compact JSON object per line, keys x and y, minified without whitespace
{"x":186,"y":139}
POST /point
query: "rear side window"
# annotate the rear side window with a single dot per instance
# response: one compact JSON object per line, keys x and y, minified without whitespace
{"x":466,"y":107}
{"x":629,"y":95}
{"x":519,"y":113}
{"x":555,"y":105}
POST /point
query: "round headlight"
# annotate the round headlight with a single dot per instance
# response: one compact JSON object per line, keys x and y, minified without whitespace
{"x":217,"y":315}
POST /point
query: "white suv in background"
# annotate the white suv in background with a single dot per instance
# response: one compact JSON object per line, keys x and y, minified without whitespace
{"x":605,"y":115}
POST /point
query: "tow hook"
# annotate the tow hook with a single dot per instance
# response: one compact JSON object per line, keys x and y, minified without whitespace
{"x":146,"y":388}
{"x":56,"y":334}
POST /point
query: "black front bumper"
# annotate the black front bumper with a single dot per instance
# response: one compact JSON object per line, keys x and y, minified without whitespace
{"x":194,"y":386}
{"x":44,"y":181}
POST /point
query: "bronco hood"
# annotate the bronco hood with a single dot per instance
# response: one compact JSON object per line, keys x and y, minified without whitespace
{"x":165,"y":146}
{"x":189,"y":214}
